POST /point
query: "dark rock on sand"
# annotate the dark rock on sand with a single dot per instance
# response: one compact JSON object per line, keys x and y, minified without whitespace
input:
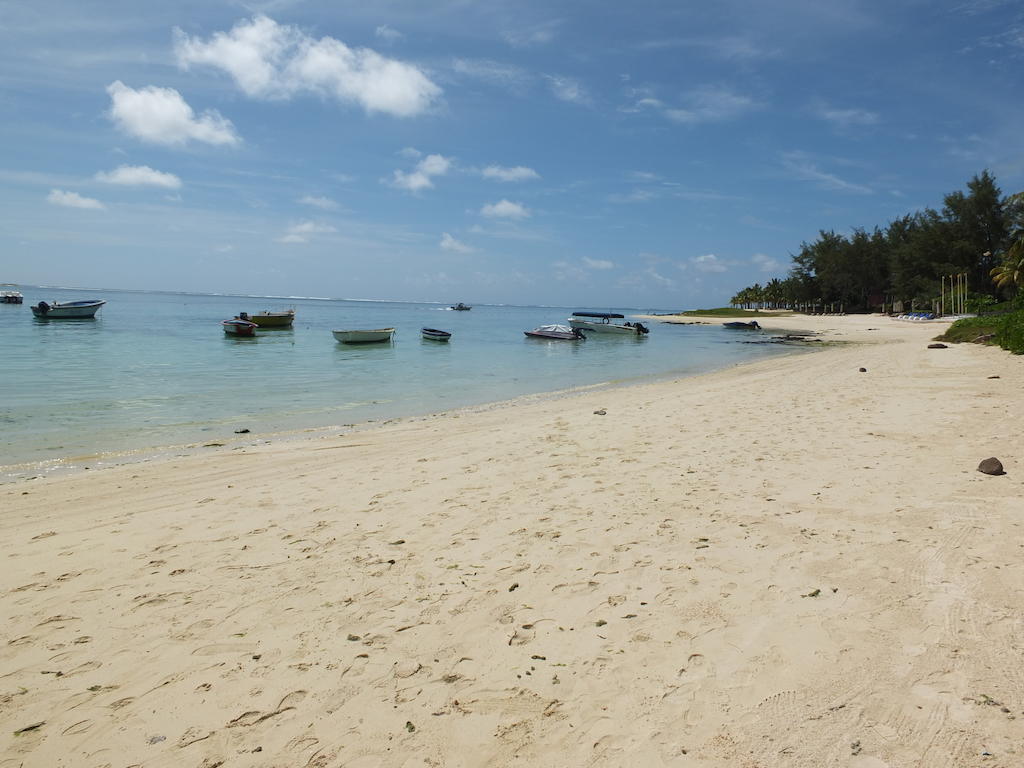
{"x":937,"y":346}
{"x":863,"y":370}
{"x":992,"y":466}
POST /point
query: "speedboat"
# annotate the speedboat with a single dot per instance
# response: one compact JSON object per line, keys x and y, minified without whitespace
{"x":367,"y":336}
{"x":433,"y":334}
{"x":562,"y":332}
{"x":267,"y":319}
{"x":460,"y":307}
{"x":601,"y":322}
{"x":9,"y":294}
{"x":67,"y":309}
{"x":239,"y":326}
{"x":738,"y":326}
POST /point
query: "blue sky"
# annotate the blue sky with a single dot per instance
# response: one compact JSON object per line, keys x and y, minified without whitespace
{"x":648,"y":154}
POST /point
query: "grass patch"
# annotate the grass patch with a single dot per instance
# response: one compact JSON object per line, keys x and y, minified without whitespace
{"x":732,"y":312}
{"x":1006,"y":330}
{"x":970,"y":328}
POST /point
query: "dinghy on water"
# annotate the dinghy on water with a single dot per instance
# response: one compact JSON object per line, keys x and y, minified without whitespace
{"x":433,"y":334}
{"x":365,"y":336}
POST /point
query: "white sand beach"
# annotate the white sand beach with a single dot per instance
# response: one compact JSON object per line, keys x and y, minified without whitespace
{"x":787,"y":563}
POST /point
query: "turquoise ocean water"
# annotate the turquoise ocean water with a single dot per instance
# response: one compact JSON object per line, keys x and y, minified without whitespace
{"x":156,"y":370}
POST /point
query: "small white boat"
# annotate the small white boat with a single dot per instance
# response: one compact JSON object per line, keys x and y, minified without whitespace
{"x":268,"y":319}
{"x":601,"y":322}
{"x":738,"y":326}
{"x":239,"y":326}
{"x":561,"y":332}
{"x":460,"y":307}
{"x":9,"y":294}
{"x":364,"y":336}
{"x":67,"y":309}
{"x":433,"y":334}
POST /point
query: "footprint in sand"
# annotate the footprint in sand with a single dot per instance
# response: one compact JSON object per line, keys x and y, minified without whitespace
{"x":80,"y":727}
{"x":219,"y":648}
{"x":88,"y":666}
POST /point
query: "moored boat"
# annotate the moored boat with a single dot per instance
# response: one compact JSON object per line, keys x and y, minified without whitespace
{"x":433,"y":334}
{"x":738,"y":326}
{"x":364,"y":336}
{"x":67,"y":310}
{"x":601,"y":322}
{"x":239,"y":326}
{"x":9,"y":294}
{"x":460,"y":307}
{"x":560,"y":332}
{"x":267,"y":319}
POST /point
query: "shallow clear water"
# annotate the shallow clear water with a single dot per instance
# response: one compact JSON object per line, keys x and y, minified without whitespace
{"x":156,"y":369}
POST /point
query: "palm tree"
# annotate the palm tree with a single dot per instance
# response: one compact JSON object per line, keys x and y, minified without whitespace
{"x":1010,"y":274}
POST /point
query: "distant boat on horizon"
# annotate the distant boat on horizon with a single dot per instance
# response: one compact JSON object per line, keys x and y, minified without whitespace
{"x":460,"y":307}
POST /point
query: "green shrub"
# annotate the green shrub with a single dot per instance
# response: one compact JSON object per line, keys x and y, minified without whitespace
{"x":1011,"y":332}
{"x":732,"y":312}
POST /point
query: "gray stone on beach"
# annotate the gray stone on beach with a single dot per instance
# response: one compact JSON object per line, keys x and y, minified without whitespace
{"x":991,"y":466}
{"x":937,"y":346}
{"x":863,"y":370}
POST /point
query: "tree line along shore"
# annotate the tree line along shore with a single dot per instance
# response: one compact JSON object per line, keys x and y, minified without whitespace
{"x":973,"y":246}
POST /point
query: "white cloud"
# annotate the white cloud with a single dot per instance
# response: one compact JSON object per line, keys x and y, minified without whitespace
{"x":410,"y":152}
{"x":597,"y":263}
{"x":847,"y":118}
{"x":505,"y":209}
{"x":568,"y":89}
{"x":274,"y":61}
{"x":711,"y":104}
{"x":324,"y":203}
{"x":708,"y":262}
{"x":449,"y":243}
{"x":421,"y":177}
{"x":516,"y":173}
{"x":801,"y":167}
{"x":766,"y":263}
{"x":301,"y":232}
{"x":139,"y":176}
{"x":162,"y":116}
{"x":73,"y":200}
{"x":388,"y":34}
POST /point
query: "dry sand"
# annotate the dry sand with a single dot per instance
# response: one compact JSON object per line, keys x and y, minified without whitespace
{"x":789,"y":563}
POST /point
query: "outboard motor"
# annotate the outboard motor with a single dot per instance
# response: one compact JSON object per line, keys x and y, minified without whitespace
{"x":641,"y":329}
{"x":578,"y":334}
{"x":43,"y":307}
